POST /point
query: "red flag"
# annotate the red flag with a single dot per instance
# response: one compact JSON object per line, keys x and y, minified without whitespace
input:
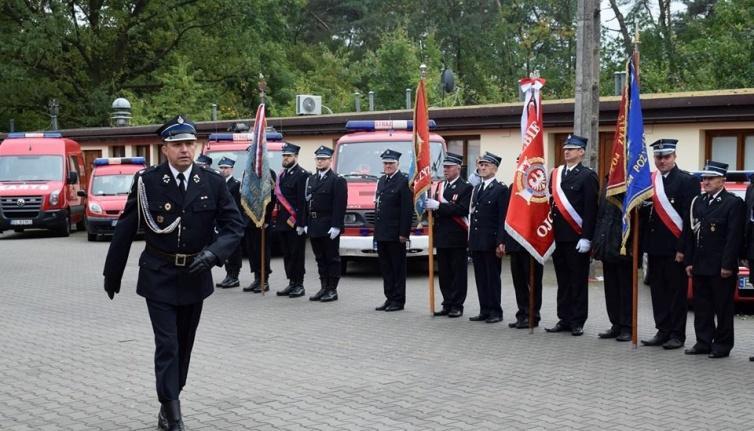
{"x":528,"y":220}
{"x":420,"y":176}
{"x":616,"y":180}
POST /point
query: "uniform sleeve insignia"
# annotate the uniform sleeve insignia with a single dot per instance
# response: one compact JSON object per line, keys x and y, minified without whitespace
{"x":196,"y":178}
{"x":166,"y":178}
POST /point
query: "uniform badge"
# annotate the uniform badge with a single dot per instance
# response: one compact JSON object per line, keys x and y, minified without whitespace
{"x":166,"y":178}
{"x":712,"y":227}
{"x":179,"y":120}
{"x":168,"y":207}
{"x":160,"y":219}
{"x":452,"y":187}
{"x":203,"y":197}
{"x":196,"y":178}
{"x":455,"y":197}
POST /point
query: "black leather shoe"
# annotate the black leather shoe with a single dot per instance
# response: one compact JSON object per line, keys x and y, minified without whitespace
{"x":479,"y":318}
{"x":394,"y":307}
{"x":443,"y":312}
{"x":329,"y":296}
{"x":716,"y":355}
{"x":162,"y":421}
{"x":230,"y":282}
{"x":524,"y":324}
{"x":257,"y":289}
{"x":513,"y":324}
{"x":672,"y":343}
{"x":173,"y":415}
{"x":610,"y":333}
{"x":494,"y":319}
{"x":577,"y":331}
{"x":559,"y":327}
{"x":383,"y":306}
{"x":317,"y":296}
{"x":696,"y":350}
{"x":623,"y":337}
{"x":657,"y":340}
{"x":455,"y":312}
{"x":751,"y":358}
{"x":224,"y":282}
{"x":254,"y":286}
{"x":287,"y":290}
{"x":297,"y":291}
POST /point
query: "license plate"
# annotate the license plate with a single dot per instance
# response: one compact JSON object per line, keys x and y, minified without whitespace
{"x":20,"y":222}
{"x":743,"y":284}
{"x":114,"y":223}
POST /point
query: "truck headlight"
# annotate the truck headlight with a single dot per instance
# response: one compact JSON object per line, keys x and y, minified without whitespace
{"x":350,"y":218}
{"x":95,"y":208}
{"x":55,"y":198}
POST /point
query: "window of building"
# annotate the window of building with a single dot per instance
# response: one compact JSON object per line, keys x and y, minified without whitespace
{"x":143,"y":151}
{"x":468,"y":147}
{"x":734,"y":147}
{"x":118,"y":151}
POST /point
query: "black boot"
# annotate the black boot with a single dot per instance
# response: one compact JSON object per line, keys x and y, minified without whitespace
{"x":162,"y":421}
{"x":173,"y":415}
{"x":287,"y":290}
{"x":323,"y":287}
{"x":297,"y":290}
{"x":231,"y":280}
{"x":331,"y":294}
{"x":254,"y":285}
{"x":224,"y":282}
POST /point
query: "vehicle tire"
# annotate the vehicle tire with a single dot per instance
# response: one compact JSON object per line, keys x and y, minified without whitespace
{"x":81,"y":225}
{"x":92,"y":237}
{"x":343,"y":266}
{"x":65,"y":229}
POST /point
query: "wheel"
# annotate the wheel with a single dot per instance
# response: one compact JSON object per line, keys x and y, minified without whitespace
{"x":343,"y":266}
{"x":91,"y":237}
{"x":65,"y":229}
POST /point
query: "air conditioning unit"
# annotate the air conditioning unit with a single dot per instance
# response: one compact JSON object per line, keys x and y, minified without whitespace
{"x":307,"y":104}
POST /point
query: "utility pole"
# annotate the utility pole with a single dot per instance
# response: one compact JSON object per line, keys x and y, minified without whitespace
{"x":587,"y":107}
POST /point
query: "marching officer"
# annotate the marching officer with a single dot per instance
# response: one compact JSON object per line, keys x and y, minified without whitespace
{"x":451,"y":224}
{"x":392,"y":226}
{"x":289,"y":218}
{"x":673,"y":191}
{"x":326,"y":195}
{"x":487,"y":237}
{"x":574,"y":189}
{"x":713,"y":240}
{"x":253,"y":244}
{"x":234,"y":262}
{"x":180,"y":204}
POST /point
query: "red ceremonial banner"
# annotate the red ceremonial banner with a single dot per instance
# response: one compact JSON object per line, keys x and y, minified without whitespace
{"x":422,"y":176}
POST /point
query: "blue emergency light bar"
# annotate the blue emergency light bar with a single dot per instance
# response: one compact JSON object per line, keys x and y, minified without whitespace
{"x":373,"y":125}
{"x":20,"y":135}
{"x":104,"y":161}
{"x":243,"y":137}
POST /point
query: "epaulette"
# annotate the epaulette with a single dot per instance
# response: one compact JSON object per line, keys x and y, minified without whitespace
{"x":211,"y":171}
{"x":147,"y":170}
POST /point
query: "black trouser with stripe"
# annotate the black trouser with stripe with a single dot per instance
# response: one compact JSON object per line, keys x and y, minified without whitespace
{"x":392,"y":256}
{"x":713,"y":299}
{"x":294,"y":254}
{"x":327,"y":253}
{"x":669,"y":284}
{"x":572,"y":274}
{"x":520,"y":265}
{"x":453,"y":265}
{"x":174,"y":329}
{"x":487,"y":267}
{"x":618,"y":293}
{"x":253,"y":238}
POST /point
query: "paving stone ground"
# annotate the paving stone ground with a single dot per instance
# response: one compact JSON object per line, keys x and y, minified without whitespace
{"x":70,"y":359}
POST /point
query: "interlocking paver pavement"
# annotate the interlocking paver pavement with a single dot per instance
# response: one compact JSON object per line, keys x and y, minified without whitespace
{"x":71,"y":359}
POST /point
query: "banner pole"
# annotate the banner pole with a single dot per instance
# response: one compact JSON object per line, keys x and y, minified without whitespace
{"x":532,"y":293}
{"x":263,"y":270}
{"x":431,"y":255}
{"x":635,"y":279}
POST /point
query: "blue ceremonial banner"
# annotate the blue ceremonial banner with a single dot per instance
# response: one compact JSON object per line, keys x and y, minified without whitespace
{"x":638,"y":177}
{"x":256,"y":186}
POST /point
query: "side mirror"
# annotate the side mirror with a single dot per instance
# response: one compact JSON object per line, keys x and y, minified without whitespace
{"x":73,"y":177}
{"x":81,"y":193}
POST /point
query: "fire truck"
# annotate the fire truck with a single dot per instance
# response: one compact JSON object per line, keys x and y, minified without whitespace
{"x":357,"y":159}
{"x":107,"y":193}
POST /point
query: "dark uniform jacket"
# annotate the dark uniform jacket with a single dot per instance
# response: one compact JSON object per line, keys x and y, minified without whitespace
{"x":207,"y":204}
{"x":449,"y":231}
{"x":581,"y":187}
{"x":293,"y":188}
{"x":489,"y":208}
{"x":608,"y":233}
{"x":749,"y":245}
{"x":234,"y":187}
{"x":657,"y":239}
{"x":327,"y":199}
{"x":714,"y":237}
{"x":393,"y":208}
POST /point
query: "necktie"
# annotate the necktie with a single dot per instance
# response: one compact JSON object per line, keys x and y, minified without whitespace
{"x":181,"y":183}
{"x":566,"y":172}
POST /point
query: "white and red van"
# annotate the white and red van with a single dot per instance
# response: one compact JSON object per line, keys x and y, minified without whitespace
{"x":357,"y":158}
{"x":107,"y":193}
{"x":41,"y":177}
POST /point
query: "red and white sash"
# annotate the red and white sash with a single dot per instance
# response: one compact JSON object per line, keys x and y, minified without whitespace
{"x":463,"y":222}
{"x":562,"y":203}
{"x":664,"y":209}
{"x":284,"y":202}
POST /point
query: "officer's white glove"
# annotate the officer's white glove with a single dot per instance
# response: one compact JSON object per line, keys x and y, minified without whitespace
{"x":431,"y":204}
{"x":300,"y":230}
{"x":333,"y":232}
{"x":583,"y":246}
{"x":306,"y":229}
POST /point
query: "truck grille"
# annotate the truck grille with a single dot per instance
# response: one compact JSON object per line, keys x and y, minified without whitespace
{"x":369,"y":217}
{"x":21,"y":206}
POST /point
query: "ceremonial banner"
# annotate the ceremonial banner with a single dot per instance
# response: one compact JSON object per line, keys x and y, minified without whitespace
{"x":528,"y":220}
{"x":616,"y":180}
{"x":420,"y":175}
{"x":638,"y":180}
{"x":256,"y":186}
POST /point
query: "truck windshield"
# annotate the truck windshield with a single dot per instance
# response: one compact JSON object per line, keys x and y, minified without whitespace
{"x":31,"y":168}
{"x":240,"y":156}
{"x":362,"y":159}
{"x":111,"y":185}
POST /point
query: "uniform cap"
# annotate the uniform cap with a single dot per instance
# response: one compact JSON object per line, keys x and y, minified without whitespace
{"x":177,"y":129}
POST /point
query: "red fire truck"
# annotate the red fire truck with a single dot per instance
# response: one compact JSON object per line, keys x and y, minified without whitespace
{"x":357,"y":158}
{"x":107,"y":193}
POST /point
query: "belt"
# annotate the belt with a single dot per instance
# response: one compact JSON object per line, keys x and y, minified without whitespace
{"x":177,"y":259}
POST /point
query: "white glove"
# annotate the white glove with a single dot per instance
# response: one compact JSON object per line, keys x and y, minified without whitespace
{"x":306,"y":229}
{"x":333,"y":232}
{"x":300,"y":230}
{"x":431,"y":204}
{"x":583,"y":246}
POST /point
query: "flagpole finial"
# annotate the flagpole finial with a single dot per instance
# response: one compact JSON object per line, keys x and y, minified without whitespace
{"x":534,"y":74}
{"x":262,"y":85}
{"x":423,"y":71}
